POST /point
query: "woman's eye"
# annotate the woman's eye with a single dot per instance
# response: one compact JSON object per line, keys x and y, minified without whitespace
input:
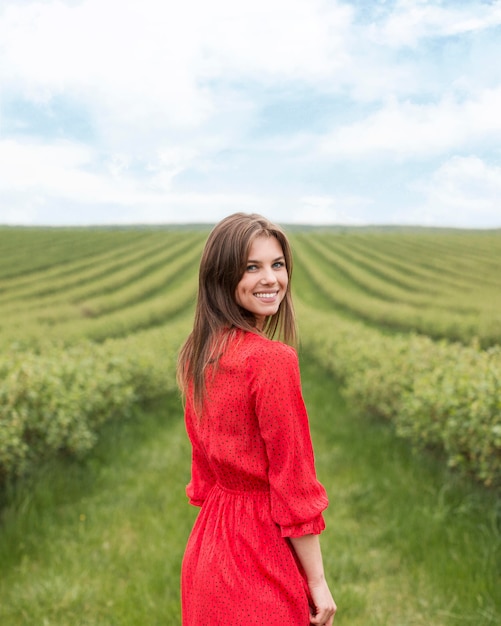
{"x":254,"y":268}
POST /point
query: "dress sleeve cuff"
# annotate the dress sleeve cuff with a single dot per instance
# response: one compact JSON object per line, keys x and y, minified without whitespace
{"x":192,"y":499}
{"x":312,"y":527}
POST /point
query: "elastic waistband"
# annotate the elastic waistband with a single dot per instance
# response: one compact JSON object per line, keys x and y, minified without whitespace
{"x":251,"y":489}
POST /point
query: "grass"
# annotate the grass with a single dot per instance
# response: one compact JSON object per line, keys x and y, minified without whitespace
{"x":100,"y":542}
{"x":407,"y":542}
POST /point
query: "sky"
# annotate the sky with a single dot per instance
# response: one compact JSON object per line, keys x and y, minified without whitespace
{"x":305,"y":111}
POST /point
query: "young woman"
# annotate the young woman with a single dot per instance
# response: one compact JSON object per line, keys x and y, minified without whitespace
{"x":253,"y":556}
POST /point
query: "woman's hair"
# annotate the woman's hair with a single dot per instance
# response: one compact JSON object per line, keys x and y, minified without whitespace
{"x":222,"y":266}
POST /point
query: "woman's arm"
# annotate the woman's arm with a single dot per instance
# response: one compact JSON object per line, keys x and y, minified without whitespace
{"x":309,"y":554}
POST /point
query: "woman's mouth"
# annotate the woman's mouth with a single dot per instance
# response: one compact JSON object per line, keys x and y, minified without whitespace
{"x":266,"y":295}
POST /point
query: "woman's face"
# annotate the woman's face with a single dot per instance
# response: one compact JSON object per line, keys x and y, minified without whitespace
{"x":264,"y":282}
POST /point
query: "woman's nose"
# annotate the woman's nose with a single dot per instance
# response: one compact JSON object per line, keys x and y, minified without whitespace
{"x":268,"y":276}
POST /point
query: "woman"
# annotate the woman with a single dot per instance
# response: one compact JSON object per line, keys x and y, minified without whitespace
{"x":253,"y":556}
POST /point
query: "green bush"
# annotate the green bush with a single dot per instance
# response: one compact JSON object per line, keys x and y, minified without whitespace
{"x":437,"y":394}
{"x":56,"y":401}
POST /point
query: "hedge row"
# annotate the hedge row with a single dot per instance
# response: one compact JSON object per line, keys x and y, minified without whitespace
{"x":437,"y":394}
{"x":55,"y":402}
{"x":459,"y":324}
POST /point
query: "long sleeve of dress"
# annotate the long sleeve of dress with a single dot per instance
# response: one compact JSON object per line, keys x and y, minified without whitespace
{"x":297,"y":497}
{"x":202,"y":477}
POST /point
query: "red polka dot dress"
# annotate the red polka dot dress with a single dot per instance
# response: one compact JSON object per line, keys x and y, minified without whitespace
{"x":253,"y":476}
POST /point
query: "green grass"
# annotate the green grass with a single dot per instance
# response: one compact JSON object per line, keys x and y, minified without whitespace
{"x":100,"y":542}
{"x":407,"y":542}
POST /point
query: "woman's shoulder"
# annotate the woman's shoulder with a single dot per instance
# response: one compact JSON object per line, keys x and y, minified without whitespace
{"x":258,"y":349}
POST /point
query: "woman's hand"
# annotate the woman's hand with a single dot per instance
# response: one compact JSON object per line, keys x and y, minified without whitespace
{"x":324,"y":605}
{"x":308,"y":551}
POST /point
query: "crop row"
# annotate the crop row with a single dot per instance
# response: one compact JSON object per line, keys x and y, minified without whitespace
{"x":135,"y":299}
{"x":56,"y":402}
{"x":433,"y":264}
{"x":25,"y":250}
{"x":396,"y":278}
{"x":156,"y":311}
{"x":85,"y":339}
{"x":436,"y":394}
{"x":342,"y":293}
{"x":391,"y":281}
{"x":71,"y":279}
{"x":136,"y":282}
{"x":459,"y":254}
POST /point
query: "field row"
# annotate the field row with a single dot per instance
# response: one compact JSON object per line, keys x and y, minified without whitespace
{"x":428,"y":301}
{"x":445,"y":286}
{"x":26,"y":251}
{"x":135,"y":294}
{"x":132,"y":294}
{"x":56,"y":402}
{"x":437,"y":395}
{"x":75,"y":281}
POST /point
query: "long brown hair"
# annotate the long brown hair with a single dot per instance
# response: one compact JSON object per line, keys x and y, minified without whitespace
{"x":222,"y":266}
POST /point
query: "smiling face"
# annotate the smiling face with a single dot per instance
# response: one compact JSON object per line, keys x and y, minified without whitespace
{"x":264,"y":282}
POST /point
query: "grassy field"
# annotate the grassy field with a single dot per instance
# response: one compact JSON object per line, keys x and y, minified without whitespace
{"x":98,"y":539}
{"x":100,"y":542}
{"x":67,"y":284}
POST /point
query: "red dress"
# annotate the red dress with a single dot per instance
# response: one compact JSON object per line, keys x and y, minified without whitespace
{"x":253,"y":475}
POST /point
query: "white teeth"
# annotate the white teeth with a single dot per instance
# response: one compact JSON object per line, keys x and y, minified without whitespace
{"x":266,"y":295}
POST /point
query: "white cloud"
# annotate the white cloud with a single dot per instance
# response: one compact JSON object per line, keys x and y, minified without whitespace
{"x":59,"y":169}
{"x":163,"y":76}
{"x":467,"y":189}
{"x":173,"y":97}
{"x":150,"y":61}
{"x":420,"y":48}
{"x":330,"y":210}
{"x":15,"y":216}
{"x":300,"y":39}
{"x":134,"y":59}
{"x":462,"y":192}
{"x":413,"y":20}
{"x":37,"y":179}
{"x":408,"y":130}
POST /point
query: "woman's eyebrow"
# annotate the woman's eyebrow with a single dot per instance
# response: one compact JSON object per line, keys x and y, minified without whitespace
{"x":279,"y":258}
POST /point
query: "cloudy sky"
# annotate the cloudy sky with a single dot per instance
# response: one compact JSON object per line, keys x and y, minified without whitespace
{"x":308,"y":111}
